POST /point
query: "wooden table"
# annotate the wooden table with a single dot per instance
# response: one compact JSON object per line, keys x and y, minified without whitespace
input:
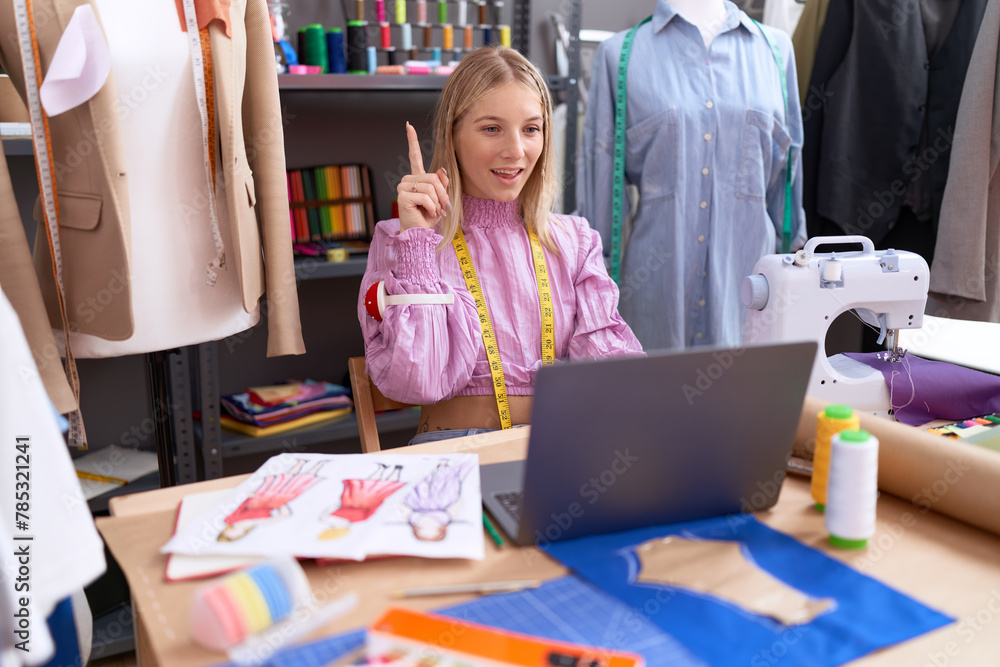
{"x":945,"y":564}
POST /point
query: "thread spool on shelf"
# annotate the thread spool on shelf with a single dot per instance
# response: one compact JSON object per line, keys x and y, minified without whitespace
{"x":315,"y":47}
{"x":357,"y":47}
{"x":853,"y":491}
{"x":335,"y":51}
{"x":833,"y":419}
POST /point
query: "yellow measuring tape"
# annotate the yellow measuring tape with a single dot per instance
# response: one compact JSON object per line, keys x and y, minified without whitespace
{"x":486,"y":324}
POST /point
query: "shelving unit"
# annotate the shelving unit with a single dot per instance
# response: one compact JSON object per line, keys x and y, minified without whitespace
{"x":313,"y":120}
{"x":315,"y":269}
{"x":17,"y":146}
{"x":377,"y":83}
{"x":234,"y":444}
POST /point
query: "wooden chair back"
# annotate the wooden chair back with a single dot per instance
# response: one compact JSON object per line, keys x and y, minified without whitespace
{"x":367,"y":401}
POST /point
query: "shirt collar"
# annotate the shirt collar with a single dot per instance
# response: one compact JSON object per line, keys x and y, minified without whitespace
{"x":665,"y":12}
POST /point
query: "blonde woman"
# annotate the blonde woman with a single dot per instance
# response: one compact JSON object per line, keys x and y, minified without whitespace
{"x":525,"y":286}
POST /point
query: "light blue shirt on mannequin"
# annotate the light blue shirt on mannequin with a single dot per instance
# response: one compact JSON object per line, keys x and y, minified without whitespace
{"x":707,"y":139}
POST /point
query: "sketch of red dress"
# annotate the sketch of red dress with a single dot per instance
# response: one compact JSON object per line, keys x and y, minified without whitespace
{"x":270,"y":500}
{"x":361,"y":498}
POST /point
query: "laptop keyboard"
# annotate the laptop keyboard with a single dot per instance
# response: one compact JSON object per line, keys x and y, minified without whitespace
{"x":511,"y":501}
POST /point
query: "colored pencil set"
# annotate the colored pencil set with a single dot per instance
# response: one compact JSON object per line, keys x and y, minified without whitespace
{"x":330,"y":203}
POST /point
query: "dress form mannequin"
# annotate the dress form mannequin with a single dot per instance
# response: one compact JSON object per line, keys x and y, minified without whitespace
{"x":707,"y":143}
{"x":170,"y":235}
{"x":707,"y":15}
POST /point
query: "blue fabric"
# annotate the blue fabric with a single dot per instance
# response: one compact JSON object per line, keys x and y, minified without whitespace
{"x":566,"y":609}
{"x":684,"y":263}
{"x":868,"y":615}
{"x":63,"y":630}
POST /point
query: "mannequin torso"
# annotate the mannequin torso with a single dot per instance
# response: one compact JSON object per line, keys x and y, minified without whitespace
{"x":170,"y":236}
{"x":706,"y":145}
{"x":708,"y":16}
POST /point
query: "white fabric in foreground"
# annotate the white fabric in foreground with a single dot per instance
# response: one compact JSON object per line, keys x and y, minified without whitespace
{"x":65,"y":552}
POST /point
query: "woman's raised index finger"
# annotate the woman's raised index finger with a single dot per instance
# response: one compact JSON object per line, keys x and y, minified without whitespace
{"x":416,"y":159}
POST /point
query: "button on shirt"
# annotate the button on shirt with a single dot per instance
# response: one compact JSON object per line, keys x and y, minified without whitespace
{"x":707,"y":139}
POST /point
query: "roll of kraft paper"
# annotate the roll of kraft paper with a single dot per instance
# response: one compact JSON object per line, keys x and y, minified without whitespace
{"x":957,"y":479}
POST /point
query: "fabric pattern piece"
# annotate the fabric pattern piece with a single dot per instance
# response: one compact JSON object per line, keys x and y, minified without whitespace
{"x":707,"y":144}
{"x":723,"y":570}
{"x":868,"y":616}
{"x":921,"y":390}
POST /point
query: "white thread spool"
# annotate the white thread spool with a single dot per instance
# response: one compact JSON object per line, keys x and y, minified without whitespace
{"x":853,"y":489}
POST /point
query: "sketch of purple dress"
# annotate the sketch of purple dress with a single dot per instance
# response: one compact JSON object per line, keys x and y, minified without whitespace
{"x":431,"y":499}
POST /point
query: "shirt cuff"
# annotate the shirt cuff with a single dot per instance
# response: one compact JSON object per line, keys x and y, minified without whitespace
{"x":415,"y":249}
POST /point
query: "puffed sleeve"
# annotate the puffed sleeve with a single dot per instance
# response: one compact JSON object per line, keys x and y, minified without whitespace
{"x":600,"y":331}
{"x":418,"y":354}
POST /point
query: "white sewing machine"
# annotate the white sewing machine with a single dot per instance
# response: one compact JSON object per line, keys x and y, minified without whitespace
{"x":797,"y":297}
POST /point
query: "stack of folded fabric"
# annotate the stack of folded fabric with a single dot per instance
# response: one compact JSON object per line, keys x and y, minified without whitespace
{"x":261,"y":411}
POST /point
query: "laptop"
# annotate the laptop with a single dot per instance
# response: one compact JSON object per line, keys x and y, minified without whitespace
{"x":629,"y":442}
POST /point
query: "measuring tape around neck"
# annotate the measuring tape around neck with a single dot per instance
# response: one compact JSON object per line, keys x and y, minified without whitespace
{"x":41,"y":138}
{"x":204,"y":90}
{"x":486,"y":324}
{"x":618,"y":167}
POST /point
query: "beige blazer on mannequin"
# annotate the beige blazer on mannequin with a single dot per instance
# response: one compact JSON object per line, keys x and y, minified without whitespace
{"x":92,"y":187}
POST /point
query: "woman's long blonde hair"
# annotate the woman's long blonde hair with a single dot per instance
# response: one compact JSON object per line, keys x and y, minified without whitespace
{"x":477,"y":75}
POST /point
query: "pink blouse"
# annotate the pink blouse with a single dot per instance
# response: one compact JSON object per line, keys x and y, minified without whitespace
{"x":422,"y":354}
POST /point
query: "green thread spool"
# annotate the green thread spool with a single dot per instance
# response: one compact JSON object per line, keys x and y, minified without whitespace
{"x":316,"y":47}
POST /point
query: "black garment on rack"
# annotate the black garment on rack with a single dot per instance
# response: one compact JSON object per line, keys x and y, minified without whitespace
{"x":880,"y":137}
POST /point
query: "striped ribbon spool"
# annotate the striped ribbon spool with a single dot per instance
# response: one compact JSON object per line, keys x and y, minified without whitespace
{"x":226,"y":612}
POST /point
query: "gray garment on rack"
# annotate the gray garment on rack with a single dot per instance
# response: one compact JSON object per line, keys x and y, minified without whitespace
{"x":707,"y":146}
{"x":965,"y":275}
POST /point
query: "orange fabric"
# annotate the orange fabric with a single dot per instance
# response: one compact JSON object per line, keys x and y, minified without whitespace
{"x":207,"y":11}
